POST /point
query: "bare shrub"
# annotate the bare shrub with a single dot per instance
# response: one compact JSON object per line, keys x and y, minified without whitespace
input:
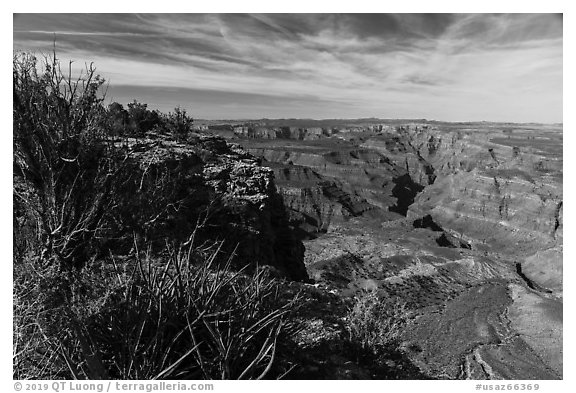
{"x":376,"y":322}
{"x":63,"y":164}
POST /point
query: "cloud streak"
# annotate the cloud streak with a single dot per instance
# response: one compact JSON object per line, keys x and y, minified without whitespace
{"x":448,"y":67}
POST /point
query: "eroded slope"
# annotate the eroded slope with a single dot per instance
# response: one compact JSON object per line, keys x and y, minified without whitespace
{"x":462,"y":222}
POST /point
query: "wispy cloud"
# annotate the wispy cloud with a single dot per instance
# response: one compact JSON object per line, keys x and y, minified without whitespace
{"x":452,"y":67}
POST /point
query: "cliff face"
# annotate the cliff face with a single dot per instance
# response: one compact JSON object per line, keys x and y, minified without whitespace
{"x":315,"y":202}
{"x":358,"y":179}
{"x":509,"y":213}
{"x":398,"y":148}
{"x":297,"y":133}
{"x":505,"y":196}
{"x":485,"y":187}
{"x":172,"y":188}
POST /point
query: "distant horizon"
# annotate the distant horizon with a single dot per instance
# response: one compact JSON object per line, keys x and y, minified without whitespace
{"x":247,"y":119}
{"x":494,"y":67}
{"x":199,"y":119}
{"x":203,"y":118}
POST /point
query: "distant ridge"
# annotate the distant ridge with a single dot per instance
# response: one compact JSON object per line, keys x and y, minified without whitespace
{"x":307,"y":122}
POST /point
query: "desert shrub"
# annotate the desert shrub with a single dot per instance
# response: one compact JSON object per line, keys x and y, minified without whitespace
{"x":118,"y":119}
{"x":63,"y":164}
{"x":176,"y":317}
{"x":178,"y":123}
{"x":376,"y":322}
{"x":134,"y":122}
{"x":141,"y":119}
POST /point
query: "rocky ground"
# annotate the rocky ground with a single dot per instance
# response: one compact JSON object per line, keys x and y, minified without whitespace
{"x":463,"y":222}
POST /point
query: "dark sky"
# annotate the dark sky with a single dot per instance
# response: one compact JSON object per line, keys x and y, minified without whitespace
{"x":437,"y":66}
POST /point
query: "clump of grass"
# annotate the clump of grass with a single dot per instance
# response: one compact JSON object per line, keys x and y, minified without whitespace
{"x":376,"y":323}
{"x":186,"y":315}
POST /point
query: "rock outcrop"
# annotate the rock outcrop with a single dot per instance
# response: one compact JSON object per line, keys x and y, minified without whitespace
{"x":217,"y":191}
{"x":297,"y":133}
{"x":361,"y":180}
{"x":316,"y":202}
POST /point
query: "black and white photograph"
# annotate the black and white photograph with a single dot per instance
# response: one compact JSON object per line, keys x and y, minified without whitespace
{"x":287,"y":196}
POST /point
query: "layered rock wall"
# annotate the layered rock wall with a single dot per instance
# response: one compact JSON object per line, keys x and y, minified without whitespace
{"x":505,"y":196}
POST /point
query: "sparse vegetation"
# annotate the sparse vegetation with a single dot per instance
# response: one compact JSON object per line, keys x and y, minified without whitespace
{"x":136,"y":121}
{"x":175,"y":317}
{"x":63,"y":164}
{"x":178,"y":123}
{"x":376,"y":322}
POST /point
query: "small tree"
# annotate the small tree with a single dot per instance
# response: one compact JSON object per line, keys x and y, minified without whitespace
{"x":178,"y":123}
{"x":142,"y":120}
{"x":118,"y":118}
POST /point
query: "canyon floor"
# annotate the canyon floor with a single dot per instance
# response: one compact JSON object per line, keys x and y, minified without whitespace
{"x":460,"y":221}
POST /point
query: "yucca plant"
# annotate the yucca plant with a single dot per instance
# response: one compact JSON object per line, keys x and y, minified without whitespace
{"x":185,"y":315}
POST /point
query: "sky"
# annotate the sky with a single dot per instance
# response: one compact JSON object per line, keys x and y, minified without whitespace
{"x":452,"y":67}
